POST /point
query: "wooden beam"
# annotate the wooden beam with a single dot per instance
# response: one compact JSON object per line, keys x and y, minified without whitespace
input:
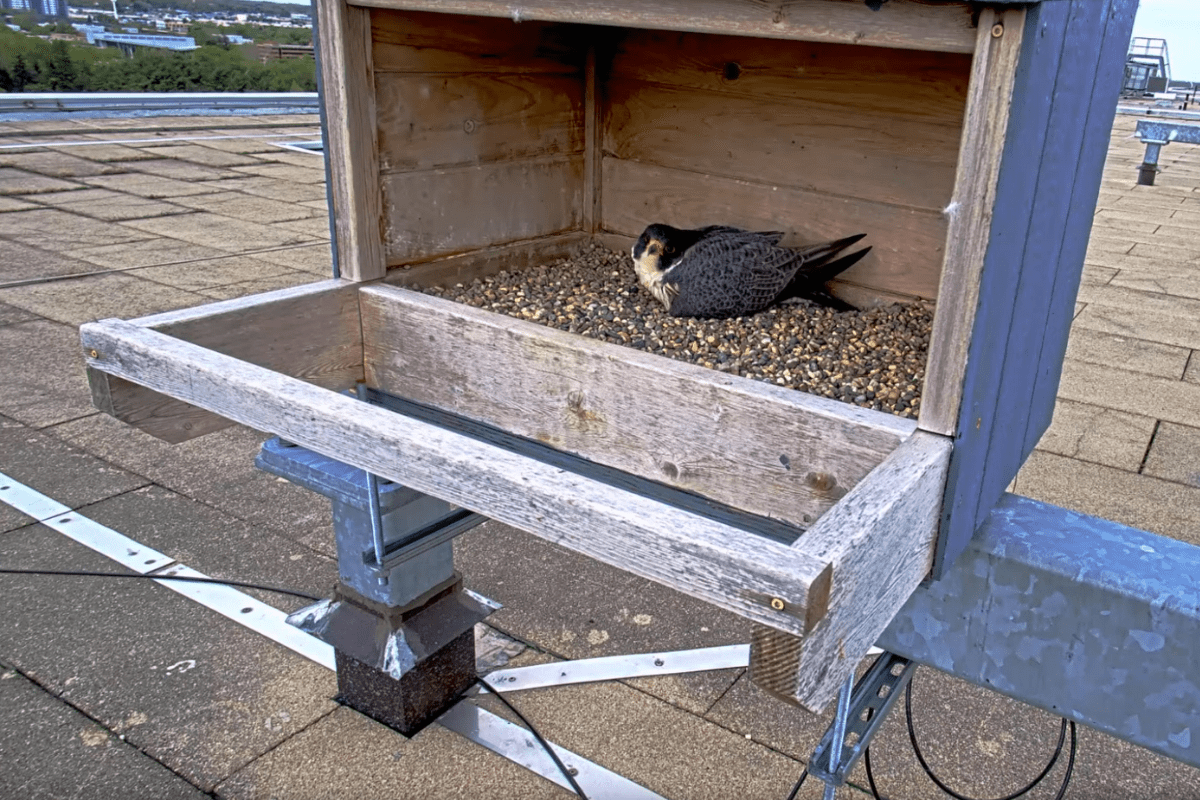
{"x":906,"y":24}
{"x":880,"y":541}
{"x":592,"y":144}
{"x":466,"y":267}
{"x":993,"y":75}
{"x":348,"y":91}
{"x":773,"y":584}
{"x":760,"y":448}
{"x":310,"y":332}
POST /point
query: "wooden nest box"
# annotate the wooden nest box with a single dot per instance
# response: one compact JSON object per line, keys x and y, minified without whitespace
{"x":469,"y":136}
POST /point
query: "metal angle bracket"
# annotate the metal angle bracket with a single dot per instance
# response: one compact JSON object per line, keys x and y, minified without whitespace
{"x":873,"y":697}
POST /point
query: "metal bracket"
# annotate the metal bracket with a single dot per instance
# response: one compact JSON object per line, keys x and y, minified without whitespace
{"x":1156,"y":134}
{"x":859,"y":719}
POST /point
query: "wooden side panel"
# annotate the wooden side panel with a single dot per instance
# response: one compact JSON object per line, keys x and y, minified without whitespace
{"x":423,"y":42}
{"x":309,"y":332}
{"x":444,"y":211}
{"x":348,"y":93}
{"x":765,"y":581}
{"x":879,"y":539}
{"x":908,"y":242}
{"x":428,"y":121}
{"x":910,"y":24}
{"x":756,"y":447}
{"x":992,"y":77}
{"x":874,"y":124}
{"x":1023,"y":310}
{"x":481,"y":130}
{"x":466,"y":267}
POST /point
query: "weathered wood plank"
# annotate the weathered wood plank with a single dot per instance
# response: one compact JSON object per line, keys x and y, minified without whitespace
{"x":446,"y":211}
{"x":791,"y":113}
{"x":466,"y":267}
{"x":348,"y":92}
{"x":787,"y":143}
{"x":906,"y":24}
{"x":757,"y":447}
{"x":428,"y":121}
{"x":880,"y":540}
{"x":733,"y":569}
{"x":993,"y":75}
{"x":925,"y":87}
{"x":593,"y":143}
{"x":419,"y":41}
{"x":908,"y":243}
{"x":309,"y":332}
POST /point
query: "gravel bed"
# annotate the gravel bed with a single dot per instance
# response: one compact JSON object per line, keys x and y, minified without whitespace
{"x":874,"y":358}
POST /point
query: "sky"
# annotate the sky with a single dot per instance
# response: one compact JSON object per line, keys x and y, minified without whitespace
{"x":1177,"y":21}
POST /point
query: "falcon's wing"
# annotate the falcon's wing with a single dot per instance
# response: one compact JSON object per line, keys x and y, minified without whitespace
{"x":730,"y":274}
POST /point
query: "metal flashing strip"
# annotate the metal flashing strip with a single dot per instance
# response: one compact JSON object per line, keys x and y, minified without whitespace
{"x":612,"y":668}
{"x":513,"y":742}
{"x":135,"y":556}
{"x":502,"y":737}
{"x":156,"y":140}
{"x":250,"y":613}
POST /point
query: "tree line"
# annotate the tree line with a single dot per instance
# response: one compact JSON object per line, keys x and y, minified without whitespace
{"x":36,"y":65}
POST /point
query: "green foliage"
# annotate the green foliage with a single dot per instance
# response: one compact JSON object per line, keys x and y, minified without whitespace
{"x":36,"y":65}
{"x":210,"y":33}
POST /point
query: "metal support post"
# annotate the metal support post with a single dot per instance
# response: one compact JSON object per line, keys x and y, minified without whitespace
{"x":400,"y":621}
{"x":1149,"y":167}
{"x":862,"y":708}
{"x":1156,"y":134}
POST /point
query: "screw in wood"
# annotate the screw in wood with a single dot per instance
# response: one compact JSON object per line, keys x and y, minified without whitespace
{"x":777,"y":604}
{"x":997,"y":31}
{"x":94,"y":353}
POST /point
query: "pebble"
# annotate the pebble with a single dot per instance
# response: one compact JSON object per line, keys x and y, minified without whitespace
{"x":873,"y":358}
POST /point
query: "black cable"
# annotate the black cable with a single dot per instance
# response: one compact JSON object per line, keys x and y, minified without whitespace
{"x":912,"y":737}
{"x":545,"y":745}
{"x":189,"y":578}
{"x":870,"y":775}
{"x":796,"y":789}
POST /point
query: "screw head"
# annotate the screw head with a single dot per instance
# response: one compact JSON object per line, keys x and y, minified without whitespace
{"x":777,"y":604}
{"x":997,"y":31}
{"x":94,"y":353}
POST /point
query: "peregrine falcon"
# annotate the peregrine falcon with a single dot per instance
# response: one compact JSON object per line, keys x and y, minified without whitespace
{"x":720,"y":271}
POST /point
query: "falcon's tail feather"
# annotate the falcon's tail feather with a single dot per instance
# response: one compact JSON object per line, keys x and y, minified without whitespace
{"x":814,"y":255}
{"x":809,"y":282}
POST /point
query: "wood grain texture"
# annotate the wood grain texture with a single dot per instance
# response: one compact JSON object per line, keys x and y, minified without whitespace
{"x":900,"y":23}
{"x":348,"y":94}
{"x":790,"y":113}
{"x":733,"y":569}
{"x":925,"y":87}
{"x":428,"y":121}
{"x":309,"y":332}
{"x":880,"y":540}
{"x":759,"y":448}
{"x":593,"y":143}
{"x":993,"y":75}
{"x":466,"y":267}
{"x":423,"y":42}
{"x":908,"y":242}
{"x":446,"y":211}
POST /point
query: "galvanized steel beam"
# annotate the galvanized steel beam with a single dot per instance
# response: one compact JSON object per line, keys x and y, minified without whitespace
{"x":1086,"y":618}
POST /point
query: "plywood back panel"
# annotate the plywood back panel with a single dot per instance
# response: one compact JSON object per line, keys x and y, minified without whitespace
{"x":803,"y":129}
{"x":480,"y":131}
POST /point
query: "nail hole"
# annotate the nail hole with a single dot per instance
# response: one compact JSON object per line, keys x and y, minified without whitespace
{"x":65,"y":519}
{"x":733,"y":71}
{"x":247,"y":610}
{"x":151,"y":561}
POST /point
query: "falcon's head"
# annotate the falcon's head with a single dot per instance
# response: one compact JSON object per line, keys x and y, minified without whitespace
{"x":655,"y":251}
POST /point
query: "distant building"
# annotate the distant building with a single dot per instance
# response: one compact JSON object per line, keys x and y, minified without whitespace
{"x":42,"y":8}
{"x":1147,"y":66}
{"x":130,"y":42}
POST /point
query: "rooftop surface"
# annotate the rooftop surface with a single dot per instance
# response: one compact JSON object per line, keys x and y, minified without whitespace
{"x":127,"y":689}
